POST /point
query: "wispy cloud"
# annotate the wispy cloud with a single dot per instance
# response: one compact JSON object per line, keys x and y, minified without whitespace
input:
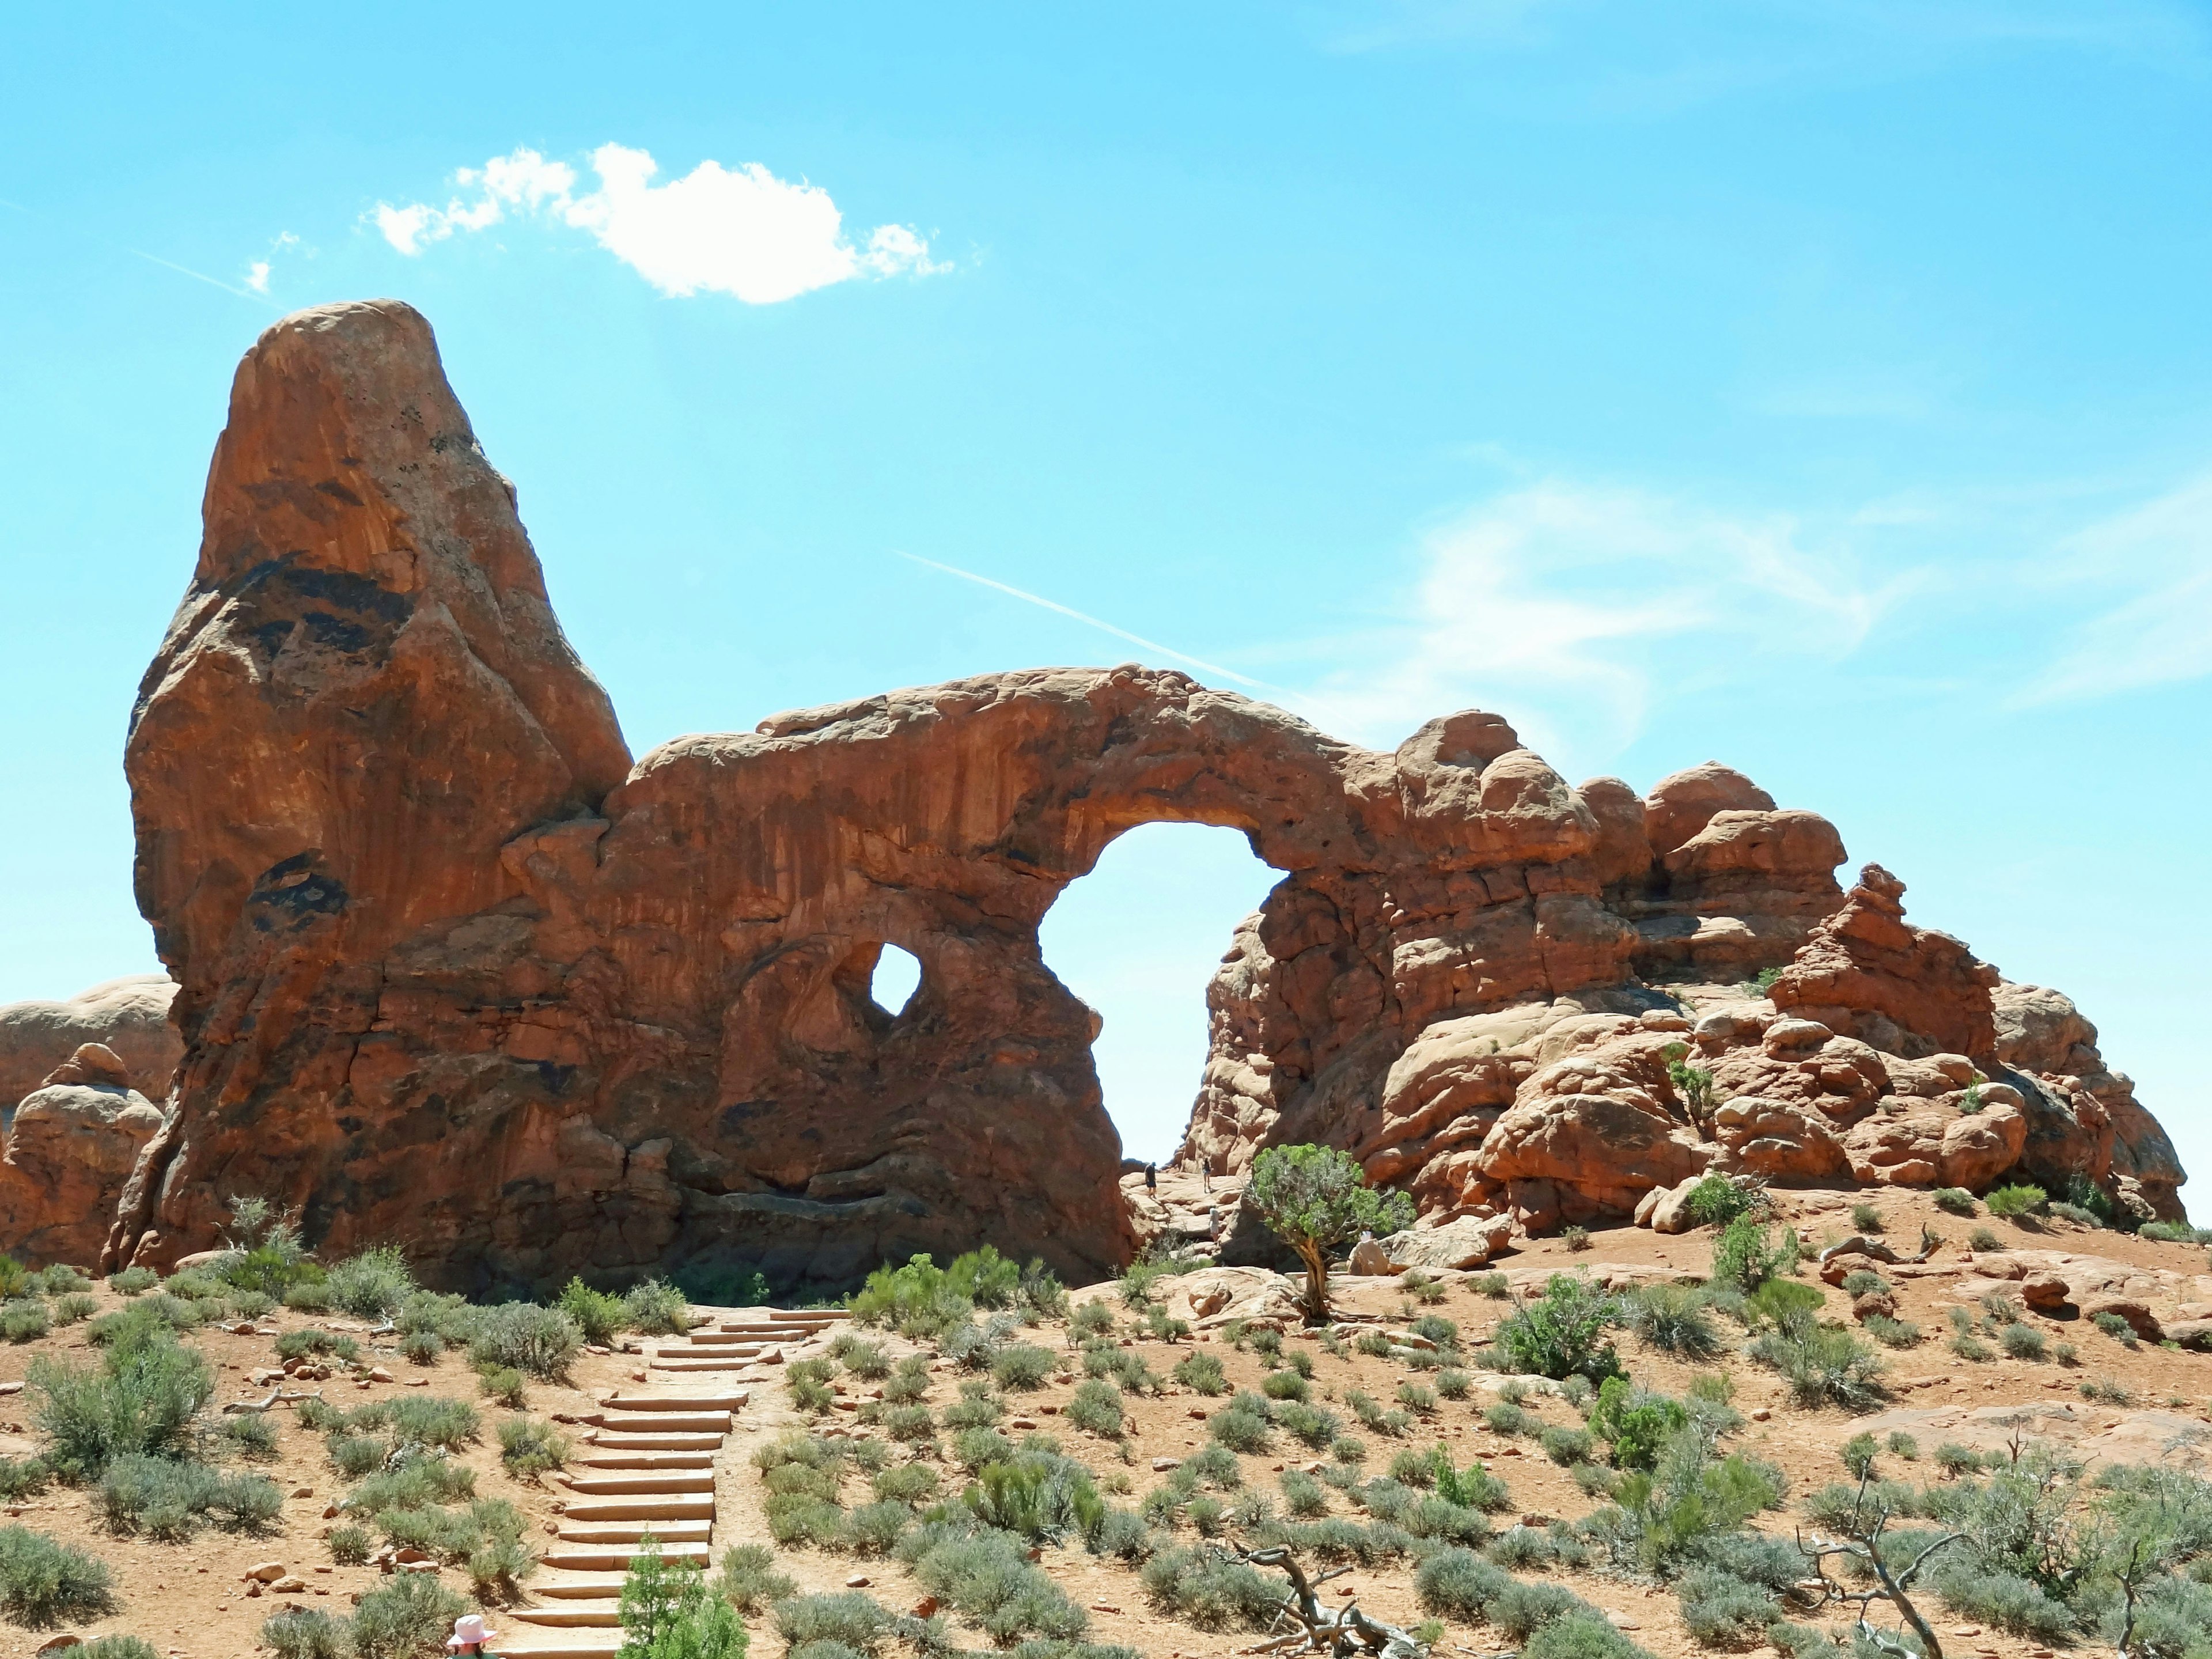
{"x":1563,"y":605}
{"x":2160,"y":557}
{"x":257,"y":271}
{"x":740,"y":231}
{"x":197,"y":276}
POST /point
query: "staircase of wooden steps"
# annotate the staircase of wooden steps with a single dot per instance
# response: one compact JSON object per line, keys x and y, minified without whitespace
{"x":647,"y":1465}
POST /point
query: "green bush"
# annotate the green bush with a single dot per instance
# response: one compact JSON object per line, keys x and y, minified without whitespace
{"x":1561,"y":1333}
{"x":253,"y":1435}
{"x":1311,"y":1425}
{"x":1823,"y":1367}
{"x":1242,"y":1424}
{"x":22,"y":1477}
{"x":131,"y":1281}
{"x":1200,"y":1373}
{"x":349,"y":1545}
{"x":658,"y":1308}
{"x":748,"y":1580}
{"x":2009,"y":1203}
{"x":1672,"y":1319}
{"x":529,"y":1447}
{"x":114,"y":1647}
{"x":1861,"y":1281}
{"x":145,"y":1397}
{"x":1891,"y":1332}
{"x":540,"y":1342}
{"x":1742,"y":1258}
{"x":2023,"y":1341}
{"x":408,"y":1616}
{"x":370,"y":1285}
{"x":309,"y":1342}
{"x":1207,"y":1589}
{"x":170,"y":1501}
{"x":908,"y":1381}
{"x":598,"y":1316}
{"x":1636,"y":1422}
{"x":1567,"y":1447}
{"x":26,"y":1321}
{"x":301,"y":1633}
{"x":45,"y":1582}
{"x":1453,"y":1383}
{"x":1715,"y":1200}
{"x":75,"y":1307}
{"x":1955,"y":1200}
{"x":1285,"y":1385}
{"x":1457,"y":1583}
{"x":1023,"y":1365}
{"x":1097,"y":1406}
{"x":1721,"y":1610}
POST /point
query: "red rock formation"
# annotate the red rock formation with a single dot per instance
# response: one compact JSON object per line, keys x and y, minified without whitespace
{"x":454,"y":974}
{"x":72,"y":1142}
{"x":1911,"y":988}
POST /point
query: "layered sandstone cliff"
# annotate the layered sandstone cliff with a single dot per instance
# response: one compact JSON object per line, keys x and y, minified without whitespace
{"x":455,"y":973}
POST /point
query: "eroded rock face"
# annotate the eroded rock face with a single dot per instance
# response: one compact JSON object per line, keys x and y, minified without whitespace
{"x":455,"y":973}
{"x":71,"y":1144}
{"x":128,"y":1017}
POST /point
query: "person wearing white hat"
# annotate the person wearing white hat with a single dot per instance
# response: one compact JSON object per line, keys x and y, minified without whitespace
{"x":469,"y":1635}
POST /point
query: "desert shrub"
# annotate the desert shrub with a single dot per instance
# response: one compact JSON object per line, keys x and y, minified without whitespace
{"x":1097,"y":1406}
{"x":1304,"y":1497}
{"x":2115,"y":1326}
{"x":45,"y":1582}
{"x":1561,"y":1333}
{"x":435,"y":1420}
{"x":311,"y":1343}
{"x":59,"y":1279}
{"x":905,"y":1482}
{"x":301,"y":1633}
{"x":131,"y":1281}
{"x":1508,"y":1418}
{"x":920,"y":1300}
{"x":1416,"y":1396}
{"x":984,"y":1574}
{"x":409,"y":1615}
{"x":913,"y":1424}
{"x":529,"y":1447}
{"x":1743,"y":1260}
{"x":1636,"y":1421}
{"x":1860,"y":1281}
{"x":658,"y":1308}
{"x":974,"y":1449}
{"x":1201,"y":1373}
{"x":309,"y":1295}
{"x":1955,"y":1200}
{"x":1207,"y":1589}
{"x":504,"y":1384}
{"x":598,"y":1316}
{"x":2023,"y":1341}
{"x":1891,"y":1332}
{"x":351,"y":1545}
{"x":1715,"y":1200}
{"x":354,"y":1456}
{"x":1311,"y":1425}
{"x":1023,"y":1365}
{"x":1452,"y":1383}
{"x":74,"y":1308}
{"x":1092,"y":1320}
{"x":22,"y":1477}
{"x":1857,"y":1454}
{"x":1575,"y":1238}
{"x":1457,"y":1583}
{"x":144,"y":1398}
{"x":1822,"y":1366}
{"x":976,"y":1408}
{"x":540,"y":1342}
{"x":1721,"y":1610}
{"x":251,"y":1435}
{"x":421,"y":1484}
{"x":1242,"y":1424}
{"x":748,"y":1580}
{"x":371,"y":1286}
{"x":2009,"y":1203}
{"x":1672,"y":1319}
{"x":15,"y":1278}
{"x":24,"y":1321}
{"x":422,"y":1347}
{"x":1285,"y":1385}
{"x":170,"y":1501}
{"x":908,"y":1381}
{"x":2107,"y":1390}
{"x":1567,"y":1447}
{"x":1866,"y":1218}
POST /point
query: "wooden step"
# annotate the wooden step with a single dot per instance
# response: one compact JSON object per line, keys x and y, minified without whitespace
{"x":642,"y":1509}
{"x":620,"y":1533}
{"x":684,"y":1365}
{"x":603,"y":1615}
{"x":615,"y":1440}
{"x":586,"y":1644}
{"x":704,"y":1399}
{"x":641,"y":1482}
{"x":615,"y":1560}
{"x":728,"y":1339}
{"x":716,"y":1423}
{"x":586,"y":1587}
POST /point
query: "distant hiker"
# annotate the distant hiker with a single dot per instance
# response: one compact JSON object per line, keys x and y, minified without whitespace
{"x":1205,"y":1175}
{"x":470,"y":1636}
{"x":1152,"y":1177}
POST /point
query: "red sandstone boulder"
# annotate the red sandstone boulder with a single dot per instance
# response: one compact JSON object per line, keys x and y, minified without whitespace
{"x":128,"y":1017}
{"x":1865,"y":962}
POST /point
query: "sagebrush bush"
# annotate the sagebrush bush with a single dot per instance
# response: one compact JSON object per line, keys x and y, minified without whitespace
{"x":1672,"y":1319}
{"x":301,"y":1633}
{"x":145,"y":1397}
{"x":45,"y":1582}
{"x":1561,"y":1333}
{"x":1207,"y":1589}
{"x":1955,"y":1200}
{"x":2023,"y":1341}
{"x":540,"y":1342}
{"x":529,"y":1447}
{"x":24,"y":1321}
{"x":598,"y":1316}
{"x":657,"y":1309}
{"x":1097,"y":1406}
{"x":371,"y":1286}
{"x":132,"y":1281}
{"x":411,"y":1615}
{"x":1715,"y":1200}
{"x":749,"y":1578}
{"x":1200,"y":1373}
{"x":1023,"y":1365}
{"x":1822,"y":1366}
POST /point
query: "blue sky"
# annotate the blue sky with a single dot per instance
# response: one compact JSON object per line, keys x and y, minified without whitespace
{"x":1822,"y":387}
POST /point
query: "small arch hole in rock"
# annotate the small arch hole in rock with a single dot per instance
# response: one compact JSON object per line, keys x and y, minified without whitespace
{"x":897,"y":977}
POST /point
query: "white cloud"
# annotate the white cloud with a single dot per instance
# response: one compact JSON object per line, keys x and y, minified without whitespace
{"x":257,"y":270}
{"x":1580,"y":602}
{"x":2162,"y":634}
{"x":740,"y":231}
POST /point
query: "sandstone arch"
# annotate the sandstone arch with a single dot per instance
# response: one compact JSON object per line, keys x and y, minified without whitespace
{"x":455,"y":973}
